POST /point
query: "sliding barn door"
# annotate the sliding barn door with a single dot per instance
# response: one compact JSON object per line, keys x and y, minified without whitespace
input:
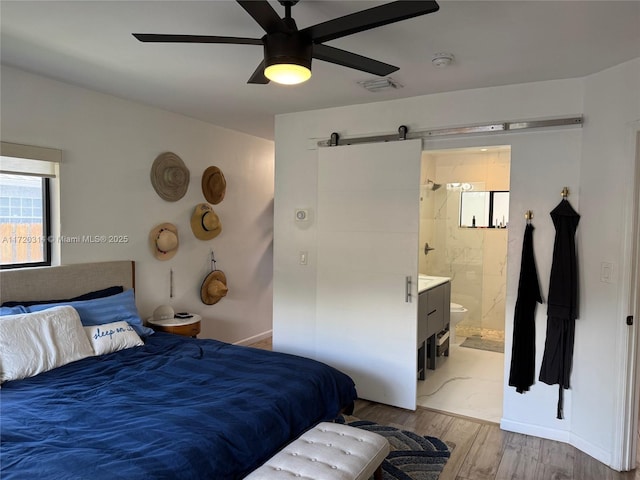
{"x":368,"y":218}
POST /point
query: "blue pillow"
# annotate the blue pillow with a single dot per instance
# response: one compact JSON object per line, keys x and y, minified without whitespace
{"x":105,"y":292}
{"x":18,"y":309}
{"x":116,"y":308}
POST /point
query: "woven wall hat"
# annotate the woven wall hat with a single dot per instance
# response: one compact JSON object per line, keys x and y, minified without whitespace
{"x":169,"y":176}
{"x":214,"y":185}
{"x":163,"y":239}
{"x":214,"y":287}
{"x":205,"y":223}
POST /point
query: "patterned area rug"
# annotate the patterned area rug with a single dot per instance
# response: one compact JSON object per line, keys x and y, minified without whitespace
{"x":480,"y":343}
{"x":412,"y":457}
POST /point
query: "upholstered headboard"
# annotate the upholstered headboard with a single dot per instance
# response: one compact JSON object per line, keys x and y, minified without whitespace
{"x":64,"y":281}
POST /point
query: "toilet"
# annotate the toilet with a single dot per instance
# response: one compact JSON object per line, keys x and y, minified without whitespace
{"x":458,"y":312}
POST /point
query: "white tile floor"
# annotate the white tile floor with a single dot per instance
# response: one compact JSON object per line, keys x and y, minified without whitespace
{"x":468,"y":382}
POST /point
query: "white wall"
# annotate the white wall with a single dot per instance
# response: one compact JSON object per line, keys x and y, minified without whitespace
{"x":542,"y":163}
{"x":108,"y":148}
{"x":612,"y":108}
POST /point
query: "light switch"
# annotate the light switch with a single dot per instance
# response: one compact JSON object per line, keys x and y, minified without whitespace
{"x":303,"y":258}
{"x":607,"y":272}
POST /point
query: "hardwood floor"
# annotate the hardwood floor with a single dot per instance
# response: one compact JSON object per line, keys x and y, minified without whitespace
{"x":484,"y":452}
{"x":265,"y":344}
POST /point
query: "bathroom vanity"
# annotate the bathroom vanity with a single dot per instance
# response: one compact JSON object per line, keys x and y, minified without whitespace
{"x":434,"y":299}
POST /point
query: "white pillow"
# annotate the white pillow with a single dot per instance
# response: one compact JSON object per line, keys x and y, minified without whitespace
{"x":111,"y":337}
{"x":32,"y":343}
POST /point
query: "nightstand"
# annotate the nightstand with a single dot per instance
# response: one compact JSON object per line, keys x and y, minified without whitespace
{"x":189,"y":327}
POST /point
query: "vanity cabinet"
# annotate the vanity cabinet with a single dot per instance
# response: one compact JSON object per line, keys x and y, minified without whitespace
{"x":433,"y":317}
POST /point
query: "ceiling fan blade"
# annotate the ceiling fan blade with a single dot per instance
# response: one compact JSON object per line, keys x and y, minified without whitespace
{"x":367,"y":19}
{"x":352,"y":60}
{"x":263,"y":13}
{"x":258,"y":76}
{"x":155,"y":37}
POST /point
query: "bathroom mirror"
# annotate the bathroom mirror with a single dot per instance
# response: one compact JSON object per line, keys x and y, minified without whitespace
{"x":484,"y":209}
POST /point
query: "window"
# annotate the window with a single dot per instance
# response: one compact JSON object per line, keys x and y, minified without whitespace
{"x":24,"y":220}
{"x":484,"y":209}
{"x":26,"y":174}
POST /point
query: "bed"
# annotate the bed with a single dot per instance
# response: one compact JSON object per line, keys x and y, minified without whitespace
{"x":172,"y":408}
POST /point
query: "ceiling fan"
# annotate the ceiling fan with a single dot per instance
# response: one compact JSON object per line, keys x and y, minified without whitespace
{"x":288,"y":51}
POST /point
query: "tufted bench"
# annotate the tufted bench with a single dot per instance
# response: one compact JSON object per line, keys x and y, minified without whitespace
{"x":329,"y":451}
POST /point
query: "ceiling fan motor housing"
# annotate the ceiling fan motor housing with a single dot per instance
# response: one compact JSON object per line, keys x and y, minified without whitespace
{"x":292,"y":48}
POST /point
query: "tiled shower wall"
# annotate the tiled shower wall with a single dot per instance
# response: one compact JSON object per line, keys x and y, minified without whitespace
{"x":474,"y":258}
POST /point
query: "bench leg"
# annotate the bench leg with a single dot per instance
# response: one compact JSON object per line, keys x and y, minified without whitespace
{"x":377,"y":475}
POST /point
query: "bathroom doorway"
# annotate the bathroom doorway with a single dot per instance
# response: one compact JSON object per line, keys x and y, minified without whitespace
{"x":472,"y":252}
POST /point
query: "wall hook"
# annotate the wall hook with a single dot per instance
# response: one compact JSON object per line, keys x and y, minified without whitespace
{"x":529,"y":216}
{"x":565,"y":192}
{"x":213,"y":262}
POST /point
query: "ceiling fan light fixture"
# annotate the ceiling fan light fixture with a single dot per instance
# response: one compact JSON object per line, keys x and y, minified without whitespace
{"x":287,"y":58}
{"x":287,"y":73}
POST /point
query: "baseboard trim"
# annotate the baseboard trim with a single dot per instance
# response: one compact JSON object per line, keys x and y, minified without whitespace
{"x":535,"y":430}
{"x":560,"y":435}
{"x":591,"y":450}
{"x":256,"y":338}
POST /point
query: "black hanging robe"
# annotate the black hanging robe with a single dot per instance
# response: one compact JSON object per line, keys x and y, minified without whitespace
{"x":562,"y":302}
{"x":523,"y":350}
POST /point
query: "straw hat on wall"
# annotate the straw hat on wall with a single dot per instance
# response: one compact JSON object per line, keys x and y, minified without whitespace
{"x":214,"y":185}
{"x":213,"y":288}
{"x":164,"y":242}
{"x":169,"y":176}
{"x":205,"y":223}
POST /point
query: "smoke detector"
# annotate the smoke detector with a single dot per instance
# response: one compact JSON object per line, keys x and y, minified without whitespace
{"x":442,"y":59}
{"x":380,"y":84}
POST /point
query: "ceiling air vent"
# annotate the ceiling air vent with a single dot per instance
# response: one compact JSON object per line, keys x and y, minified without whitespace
{"x":380,"y":84}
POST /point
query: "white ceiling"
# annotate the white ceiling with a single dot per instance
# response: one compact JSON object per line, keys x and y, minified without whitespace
{"x":89,"y":43}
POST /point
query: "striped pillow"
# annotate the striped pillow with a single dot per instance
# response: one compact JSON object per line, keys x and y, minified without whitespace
{"x":116,"y":308}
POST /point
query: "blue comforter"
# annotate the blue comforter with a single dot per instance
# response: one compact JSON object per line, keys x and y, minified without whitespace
{"x":175,"y":408}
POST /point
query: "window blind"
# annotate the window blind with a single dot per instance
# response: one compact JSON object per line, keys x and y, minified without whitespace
{"x":28,"y":160}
